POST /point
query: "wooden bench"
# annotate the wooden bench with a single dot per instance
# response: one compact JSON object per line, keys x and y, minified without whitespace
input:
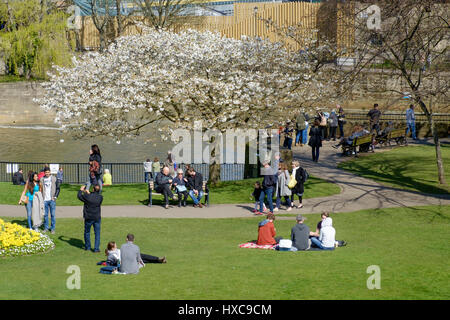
{"x":365,"y":143}
{"x":397,"y":135}
{"x":151,"y":193}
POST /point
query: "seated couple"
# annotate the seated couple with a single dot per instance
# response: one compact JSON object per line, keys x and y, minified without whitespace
{"x":191,"y":184}
{"x":301,"y":237}
{"x":127,"y":259}
{"x":357,"y":131}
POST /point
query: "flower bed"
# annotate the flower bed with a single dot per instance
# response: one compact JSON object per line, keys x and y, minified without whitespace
{"x":16,"y":240}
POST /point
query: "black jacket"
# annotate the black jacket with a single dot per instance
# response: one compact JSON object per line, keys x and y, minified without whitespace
{"x":92,"y":203}
{"x":18,"y":178}
{"x":315,"y":139}
{"x":300,"y":177}
{"x":195,"y":182}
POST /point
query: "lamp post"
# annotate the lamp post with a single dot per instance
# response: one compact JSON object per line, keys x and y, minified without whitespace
{"x":255,"y":11}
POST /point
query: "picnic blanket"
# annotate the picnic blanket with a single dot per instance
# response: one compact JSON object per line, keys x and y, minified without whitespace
{"x":253,"y":245}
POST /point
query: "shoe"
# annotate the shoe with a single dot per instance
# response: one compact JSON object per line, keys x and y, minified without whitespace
{"x":52,"y":232}
{"x":343,"y":244}
{"x":44,"y":231}
{"x":200,"y":205}
{"x":163,"y":260}
{"x":184,"y":203}
{"x":166,"y":206}
{"x":179,"y":204}
{"x":275,"y":209}
{"x":289,"y":209}
{"x":195,"y":205}
{"x":96,"y":251}
{"x":259,"y":213}
{"x":300,"y":206}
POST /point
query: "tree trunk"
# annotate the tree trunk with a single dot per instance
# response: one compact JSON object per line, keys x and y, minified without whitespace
{"x":214,"y":174}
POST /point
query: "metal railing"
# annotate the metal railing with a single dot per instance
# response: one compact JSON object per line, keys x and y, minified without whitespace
{"x":398,"y":117}
{"x":78,"y":173}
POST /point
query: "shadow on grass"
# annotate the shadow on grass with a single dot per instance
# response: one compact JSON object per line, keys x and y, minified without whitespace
{"x":73,"y":242}
{"x":23,"y":223}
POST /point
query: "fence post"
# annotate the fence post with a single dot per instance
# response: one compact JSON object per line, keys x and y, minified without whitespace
{"x":78,"y":173}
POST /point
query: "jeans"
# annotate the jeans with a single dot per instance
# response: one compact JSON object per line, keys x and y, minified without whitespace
{"x":319,"y":245}
{"x":411,"y":126}
{"x":269,"y":193}
{"x":29,"y":207}
{"x":196,"y":199}
{"x":146,"y":175}
{"x":49,"y":205}
{"x":299,"y":137}
{"x":315,"y":153}
{"x":341,"y":129}
{"x":87,"y":234}
{"x":278,"y":203}
{"x":96,"y":180}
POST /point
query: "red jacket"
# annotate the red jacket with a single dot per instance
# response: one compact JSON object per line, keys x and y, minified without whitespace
{"x":266,"y":234}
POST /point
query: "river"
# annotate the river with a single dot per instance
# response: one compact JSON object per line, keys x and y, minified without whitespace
{"x":47,"y":144}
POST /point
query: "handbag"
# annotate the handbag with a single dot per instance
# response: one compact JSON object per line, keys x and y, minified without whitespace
{"x":181,"y":188}
{"x":292,"y":182}
{"x":285,"y":245}
{"x":24,"y":199}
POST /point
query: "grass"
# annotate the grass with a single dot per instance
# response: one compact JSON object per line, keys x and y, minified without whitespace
{"x":410,"y":245}
{"x":412,"y":168}
{"x":135,"y":194}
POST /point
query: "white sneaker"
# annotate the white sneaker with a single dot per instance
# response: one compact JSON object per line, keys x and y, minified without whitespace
{"x":289,"y":209}
{"x":275,"y":209}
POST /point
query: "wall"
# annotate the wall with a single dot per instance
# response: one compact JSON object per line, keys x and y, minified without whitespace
{"x":17,"y":106}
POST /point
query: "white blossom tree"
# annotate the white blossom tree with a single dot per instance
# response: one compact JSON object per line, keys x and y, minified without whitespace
{"x":172,"y":80}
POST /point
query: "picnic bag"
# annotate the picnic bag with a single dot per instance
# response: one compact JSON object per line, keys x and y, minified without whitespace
{"x":285,"y":245}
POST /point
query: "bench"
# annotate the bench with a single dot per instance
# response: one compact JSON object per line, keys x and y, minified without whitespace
{"x":365,"y":143}
{"x":397,"y":135}
{"x":151,"y":193}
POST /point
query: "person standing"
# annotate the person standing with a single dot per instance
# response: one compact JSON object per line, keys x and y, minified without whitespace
{"x":268,"y":185}
{"x":288,"y":133}
{"x":92,"y":215}
{"x":299,"y":174}
{"x":333,"y":121}
{"x":30,"y":197}
{"x":170,"y":163}
{"x":411,"y":122}
{"x":148,"y":167}
{"x":60,"y":176}
{"x":163,"y":182}
{"x":50,"y":191}
{"x":374,"y":118}
{"x":282,"y":189}
{"x":300,"y":123}
{"x":95,"y":167}
{"x":341,"y":121}
{"x":156,"y":167}
{"x":315,"y":140}
{"x":322,"y":123}
{"x":17,"y":178}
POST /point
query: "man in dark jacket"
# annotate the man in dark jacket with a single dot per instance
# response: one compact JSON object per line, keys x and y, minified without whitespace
{"x":300,"y":234}
{"x":17,"y":178}
{"x":163,"y":182}
{"x":92,"y":215}
{"x":268,"y":185}
{"x":195,"y":186}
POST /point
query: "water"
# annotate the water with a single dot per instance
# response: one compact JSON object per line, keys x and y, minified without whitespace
{"x":47,"y":144}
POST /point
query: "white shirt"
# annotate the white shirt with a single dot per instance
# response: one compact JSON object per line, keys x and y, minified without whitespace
{"x":48,"y":188}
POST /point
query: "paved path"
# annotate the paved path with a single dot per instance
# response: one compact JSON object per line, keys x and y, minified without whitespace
{"x":357,"y":193}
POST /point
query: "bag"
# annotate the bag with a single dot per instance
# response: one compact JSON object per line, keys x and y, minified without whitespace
{"x":292,"y":182}
{"x":181,"y":188}
{"x":306,"y":175}
{"x":285,"y":245}
{"x":24,"y":199}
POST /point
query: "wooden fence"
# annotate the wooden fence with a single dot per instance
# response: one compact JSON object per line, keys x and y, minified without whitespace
{"x":251,"y":22}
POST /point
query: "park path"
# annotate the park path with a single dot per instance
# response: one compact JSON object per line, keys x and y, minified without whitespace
{"x":357,"y":193}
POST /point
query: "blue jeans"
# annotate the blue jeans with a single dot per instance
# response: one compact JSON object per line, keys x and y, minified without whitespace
{"x":299,"y":137}
{"x":278,"y":203}
{"x":52,"y":206}
{"x":87,"y":234}
{"x":269,"y":193}
{"x":29,"y":207}
{"x":411,"y":126}
{"x":194,"y":198}
{"x":146,"y":175}
{"x":318,"y":244}
{"x":96,"y":180}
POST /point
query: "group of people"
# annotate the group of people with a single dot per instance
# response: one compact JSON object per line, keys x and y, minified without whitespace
{"x":324,"y":237}
{"x":278,"y":182}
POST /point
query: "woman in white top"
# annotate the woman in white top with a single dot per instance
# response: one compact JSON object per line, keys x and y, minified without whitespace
{"x":327,"y":236}
{"x":112,"y":254}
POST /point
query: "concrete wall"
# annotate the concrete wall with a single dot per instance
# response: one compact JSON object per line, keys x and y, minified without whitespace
{"x":17,"y":106}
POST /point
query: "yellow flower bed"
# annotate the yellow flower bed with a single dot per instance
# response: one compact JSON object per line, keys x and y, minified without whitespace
{"x":18,"y":240}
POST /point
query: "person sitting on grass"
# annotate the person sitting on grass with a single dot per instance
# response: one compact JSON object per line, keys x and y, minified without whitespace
{"x":323,"y":216}
{"x":300,"y":235}
{"x":357,"y":131}
{"x":267,"y":232}
{"x":107,"y":178}
{"x":256,"y":194}
{"x":112,"y":255}
{"x":326,"y":240}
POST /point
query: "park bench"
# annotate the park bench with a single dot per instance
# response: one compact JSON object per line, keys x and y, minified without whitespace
{"x":152,"y":192}
{"x":397,"y":135}
{"x":365,"y":143}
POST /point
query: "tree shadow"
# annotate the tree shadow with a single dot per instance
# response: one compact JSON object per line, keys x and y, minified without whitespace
{"x":23,"y":223}
{"x":73,"y":242}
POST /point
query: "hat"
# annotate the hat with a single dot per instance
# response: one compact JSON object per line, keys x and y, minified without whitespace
{"x":300,"y":217}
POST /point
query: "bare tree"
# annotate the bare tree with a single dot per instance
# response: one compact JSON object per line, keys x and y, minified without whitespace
{"x":412,"y":38}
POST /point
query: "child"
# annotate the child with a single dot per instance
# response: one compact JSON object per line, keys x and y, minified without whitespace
{"x":156,"y":166}
{"x":112,"y":254}
{"x":256,"y":193}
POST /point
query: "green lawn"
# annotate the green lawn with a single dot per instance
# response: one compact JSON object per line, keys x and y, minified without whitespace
{"x":410,"y":245}
{"x":412,"y":168}
{"x":135,"y":194}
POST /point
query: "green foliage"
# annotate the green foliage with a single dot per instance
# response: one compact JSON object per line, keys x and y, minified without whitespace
{"x":33,"y":39}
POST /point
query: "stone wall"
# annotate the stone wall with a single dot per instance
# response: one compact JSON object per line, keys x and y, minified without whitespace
{"x":17,"y":106}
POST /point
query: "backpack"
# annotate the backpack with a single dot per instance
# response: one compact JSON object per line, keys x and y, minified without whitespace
{"x":306,"y":175}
